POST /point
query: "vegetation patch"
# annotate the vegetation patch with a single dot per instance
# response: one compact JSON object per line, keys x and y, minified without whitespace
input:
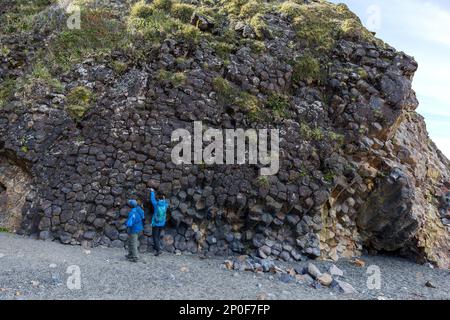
{"x":176,"y":79}
{"x":182,"y":11}
{"x":278,"y":103}
{"x":21,"y":14}
{"x":4,"y":230}
{"x":101,"y":33}
{"x":259,"y":26}
{"x":78,"y":101}
{"x":7,"y":89}
{"x":263,"y":181}
{"x":160,"y":23}
{"x":42,"y":75}
{"x":309,"y":133}
{"x":307,"y":68}
{"x":319,"y":25}
{"x":229,"y":95}
{"x":225,"y":91}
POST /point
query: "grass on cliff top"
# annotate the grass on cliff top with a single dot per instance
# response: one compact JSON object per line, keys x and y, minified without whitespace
{"x":26,"y":86}
{"x":320,"y":24}
{"x":21,"y":14}
{"x":162,"y":19}
{"x":100,"y":33}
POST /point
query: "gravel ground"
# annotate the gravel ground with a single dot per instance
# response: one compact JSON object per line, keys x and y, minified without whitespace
{"x":33,"y":269}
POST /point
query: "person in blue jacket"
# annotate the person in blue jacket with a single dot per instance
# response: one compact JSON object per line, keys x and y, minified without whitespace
{"x":135,"y":226}
{"x":160,"y":206}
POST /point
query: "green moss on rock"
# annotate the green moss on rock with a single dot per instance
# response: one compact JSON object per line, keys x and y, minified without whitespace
{"x":78,"y":101}
{"x":308,"y":69}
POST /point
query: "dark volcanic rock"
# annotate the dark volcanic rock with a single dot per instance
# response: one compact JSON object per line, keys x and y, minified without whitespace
{"x":80,"y":136}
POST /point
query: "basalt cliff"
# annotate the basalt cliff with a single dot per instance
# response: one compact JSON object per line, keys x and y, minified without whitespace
{"x":91,"y":91}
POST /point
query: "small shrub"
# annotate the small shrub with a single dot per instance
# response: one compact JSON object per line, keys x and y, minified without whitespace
{"x":329,"y":176}
{"x":250,"y":9}
{"x":229,"y":95}
{"x":352,"y":29}
{"x":251,"y":106}
{"x":263,"y":181}
{"x":223,"y":49}
{"x":278,"y":103}
{"x":234,"y":6}
{"x":189,"y":34}
{"x":317,"y":134}
{"x":311,"y":134}
{"x":258,"y":46}
{"x":7,"y":88}
{"x":164,"y":5}
{"x":362,"y":73}
{"x":141,"y":10}
{"x":182,"y":11}
{"x":225,"y":91}
{"x":118,"y":66}
{"x":4,"y":230}
{"x":259,"y":26}
{"x":336,"y":137}
{"x":4,"y":51}
{"x":307,"y":69}
{"x":176,"y":79}
{"x":317,"y":25}
{"x":290,"y":8}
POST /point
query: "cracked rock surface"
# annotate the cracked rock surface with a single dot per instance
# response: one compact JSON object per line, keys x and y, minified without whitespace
{"x":86,"y":118}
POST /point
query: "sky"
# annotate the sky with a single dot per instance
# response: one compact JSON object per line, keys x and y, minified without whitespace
{"x":420,"y":28}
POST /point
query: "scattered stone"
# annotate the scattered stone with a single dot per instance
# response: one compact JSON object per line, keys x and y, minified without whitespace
{"x":228,"y":264}
{"x":430,"y":284}
{"x":116,"y":147}
{"x":316,"y":285}
{"x":313,"y":271}
{"x":325,"y":279}
{"x":335,"y":271}
{"x":286,"y":278}
{"x":184,"y":269}
{"x":359,"y":263}
{"x":343,"y":287}
{"x":201,"y":22}
{"x":35,"y":283}
{"x":261,"y":296}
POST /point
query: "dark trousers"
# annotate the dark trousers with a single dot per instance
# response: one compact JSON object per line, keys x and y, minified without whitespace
{"x":133,"y":243}
{"x":156,"y":233}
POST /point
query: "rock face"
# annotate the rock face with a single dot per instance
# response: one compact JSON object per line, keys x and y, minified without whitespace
{"x":87,"y":125}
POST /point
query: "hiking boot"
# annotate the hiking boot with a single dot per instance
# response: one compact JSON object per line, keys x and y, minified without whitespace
{"x":157,"y":253}
{"x":133,"y":259}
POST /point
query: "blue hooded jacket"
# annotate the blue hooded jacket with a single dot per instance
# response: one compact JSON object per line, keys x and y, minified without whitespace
{"x":158,"y":205}
{"x":135,"y":217}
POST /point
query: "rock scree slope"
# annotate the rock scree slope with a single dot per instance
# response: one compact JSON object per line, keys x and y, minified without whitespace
{"x":86,"y":116}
